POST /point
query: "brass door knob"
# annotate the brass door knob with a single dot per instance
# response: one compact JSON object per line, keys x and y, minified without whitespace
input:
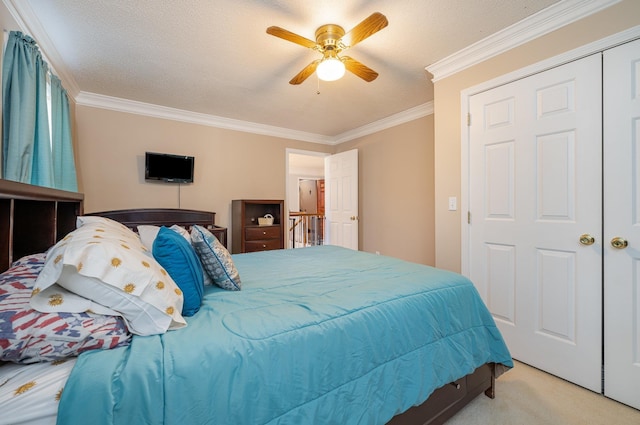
{"x":587,"y":239}
{"x":619,"y":243}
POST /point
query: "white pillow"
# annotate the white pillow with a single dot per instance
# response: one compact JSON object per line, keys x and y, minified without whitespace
{"x":148,"y":235}
{"x":182,"y":231}
{"x":96,"y":220}
{"x":106,"y":263}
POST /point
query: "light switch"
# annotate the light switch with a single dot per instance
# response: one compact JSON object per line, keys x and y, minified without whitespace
{"x":453,"y":203}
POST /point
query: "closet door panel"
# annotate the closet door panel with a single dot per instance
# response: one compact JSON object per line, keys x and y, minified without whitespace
{"x":622,"y":220}
{"x":535,"y":180}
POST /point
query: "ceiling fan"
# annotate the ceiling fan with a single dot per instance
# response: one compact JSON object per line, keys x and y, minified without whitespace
{"x":331,"y":40}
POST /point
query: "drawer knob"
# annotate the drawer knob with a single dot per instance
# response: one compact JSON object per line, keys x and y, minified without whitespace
{"x":264,"y":246}
{"x":264,"y":233}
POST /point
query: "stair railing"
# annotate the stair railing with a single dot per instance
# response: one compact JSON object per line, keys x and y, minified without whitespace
{"x":306,"y":229}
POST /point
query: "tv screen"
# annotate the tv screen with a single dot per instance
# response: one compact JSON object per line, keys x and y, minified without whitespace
{"x":168,"y":167}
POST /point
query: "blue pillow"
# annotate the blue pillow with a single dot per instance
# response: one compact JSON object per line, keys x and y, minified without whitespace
{"x":176,"y":255}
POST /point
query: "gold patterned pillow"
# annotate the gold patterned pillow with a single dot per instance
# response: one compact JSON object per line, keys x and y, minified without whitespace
{"x":103,"y":267}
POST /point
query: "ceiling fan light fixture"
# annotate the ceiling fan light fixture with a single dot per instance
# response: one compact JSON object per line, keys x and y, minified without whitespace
{"x":332,"y":40}
{"x":330,"y":69}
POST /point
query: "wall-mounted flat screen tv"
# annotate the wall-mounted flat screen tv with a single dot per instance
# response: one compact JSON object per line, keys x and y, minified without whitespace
{"x":168,"y":167}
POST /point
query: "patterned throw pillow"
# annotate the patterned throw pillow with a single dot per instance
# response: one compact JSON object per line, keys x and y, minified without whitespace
{"x":29,"y":336}
{"x":104,"y":268}
{"x":215,"y":258}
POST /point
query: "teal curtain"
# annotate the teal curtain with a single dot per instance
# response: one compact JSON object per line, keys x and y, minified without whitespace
{"x":64,"y":167}
{"x":26,"y":142}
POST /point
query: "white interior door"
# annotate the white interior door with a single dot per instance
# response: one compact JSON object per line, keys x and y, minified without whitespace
{"x":535,"y":187}
{"x":341,"y":199}
{"x":622,"y":220}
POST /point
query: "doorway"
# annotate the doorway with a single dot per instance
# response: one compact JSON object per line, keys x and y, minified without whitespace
{"x":308,"y":222}
{"x":341,"y":221}
{"x":305,"y":197}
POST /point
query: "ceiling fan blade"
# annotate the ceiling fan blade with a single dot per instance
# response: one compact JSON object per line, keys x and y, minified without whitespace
{"x":369,"y":26}
{"x":304,"y":74}
{"x":359,"y":69}
{"x":289,"y":36}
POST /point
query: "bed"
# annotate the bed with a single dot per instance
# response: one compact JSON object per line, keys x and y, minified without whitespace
{"x":314,"y":335}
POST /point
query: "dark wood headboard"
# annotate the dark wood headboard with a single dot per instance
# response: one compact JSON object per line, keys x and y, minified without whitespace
{"x":33,"y":218}
{"x":159,"y":217}
{"x":166,"y":217}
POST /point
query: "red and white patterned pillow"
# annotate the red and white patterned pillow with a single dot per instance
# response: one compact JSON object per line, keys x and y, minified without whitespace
{"x":29,"y":336}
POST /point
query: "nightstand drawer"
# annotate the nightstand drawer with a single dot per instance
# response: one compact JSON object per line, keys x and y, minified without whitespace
{"x":261,"y":233}
{"x":264,"y":245}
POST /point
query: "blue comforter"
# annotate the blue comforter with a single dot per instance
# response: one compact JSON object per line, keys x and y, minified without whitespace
{"x":321,"y":335}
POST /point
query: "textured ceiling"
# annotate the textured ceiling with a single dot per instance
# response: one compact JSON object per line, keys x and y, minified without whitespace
{"x":214,"y":57}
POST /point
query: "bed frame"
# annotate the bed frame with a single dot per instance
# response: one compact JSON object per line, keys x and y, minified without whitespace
{"x":34,"y":218}
{"x":167,"y":217}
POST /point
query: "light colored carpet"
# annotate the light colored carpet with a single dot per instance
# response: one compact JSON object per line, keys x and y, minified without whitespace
{"x":528,"y":396}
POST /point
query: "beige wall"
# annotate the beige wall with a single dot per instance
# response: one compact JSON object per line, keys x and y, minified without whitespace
{"x":396,"y":173}
{"x":447,"y":107}
{"x":228,"y":164}
{"x":396,"y":191}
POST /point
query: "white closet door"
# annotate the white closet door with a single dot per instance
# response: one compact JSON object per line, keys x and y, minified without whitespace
{"x":535,"y":188}
{"x":622,"y":220}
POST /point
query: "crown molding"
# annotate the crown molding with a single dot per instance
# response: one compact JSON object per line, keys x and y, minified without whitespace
{"x":388,"y":122}
{"x":547,"y":20}
{"x":140,"y":108}
{"x":597,"y":46}
{"x":157,"y":111}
